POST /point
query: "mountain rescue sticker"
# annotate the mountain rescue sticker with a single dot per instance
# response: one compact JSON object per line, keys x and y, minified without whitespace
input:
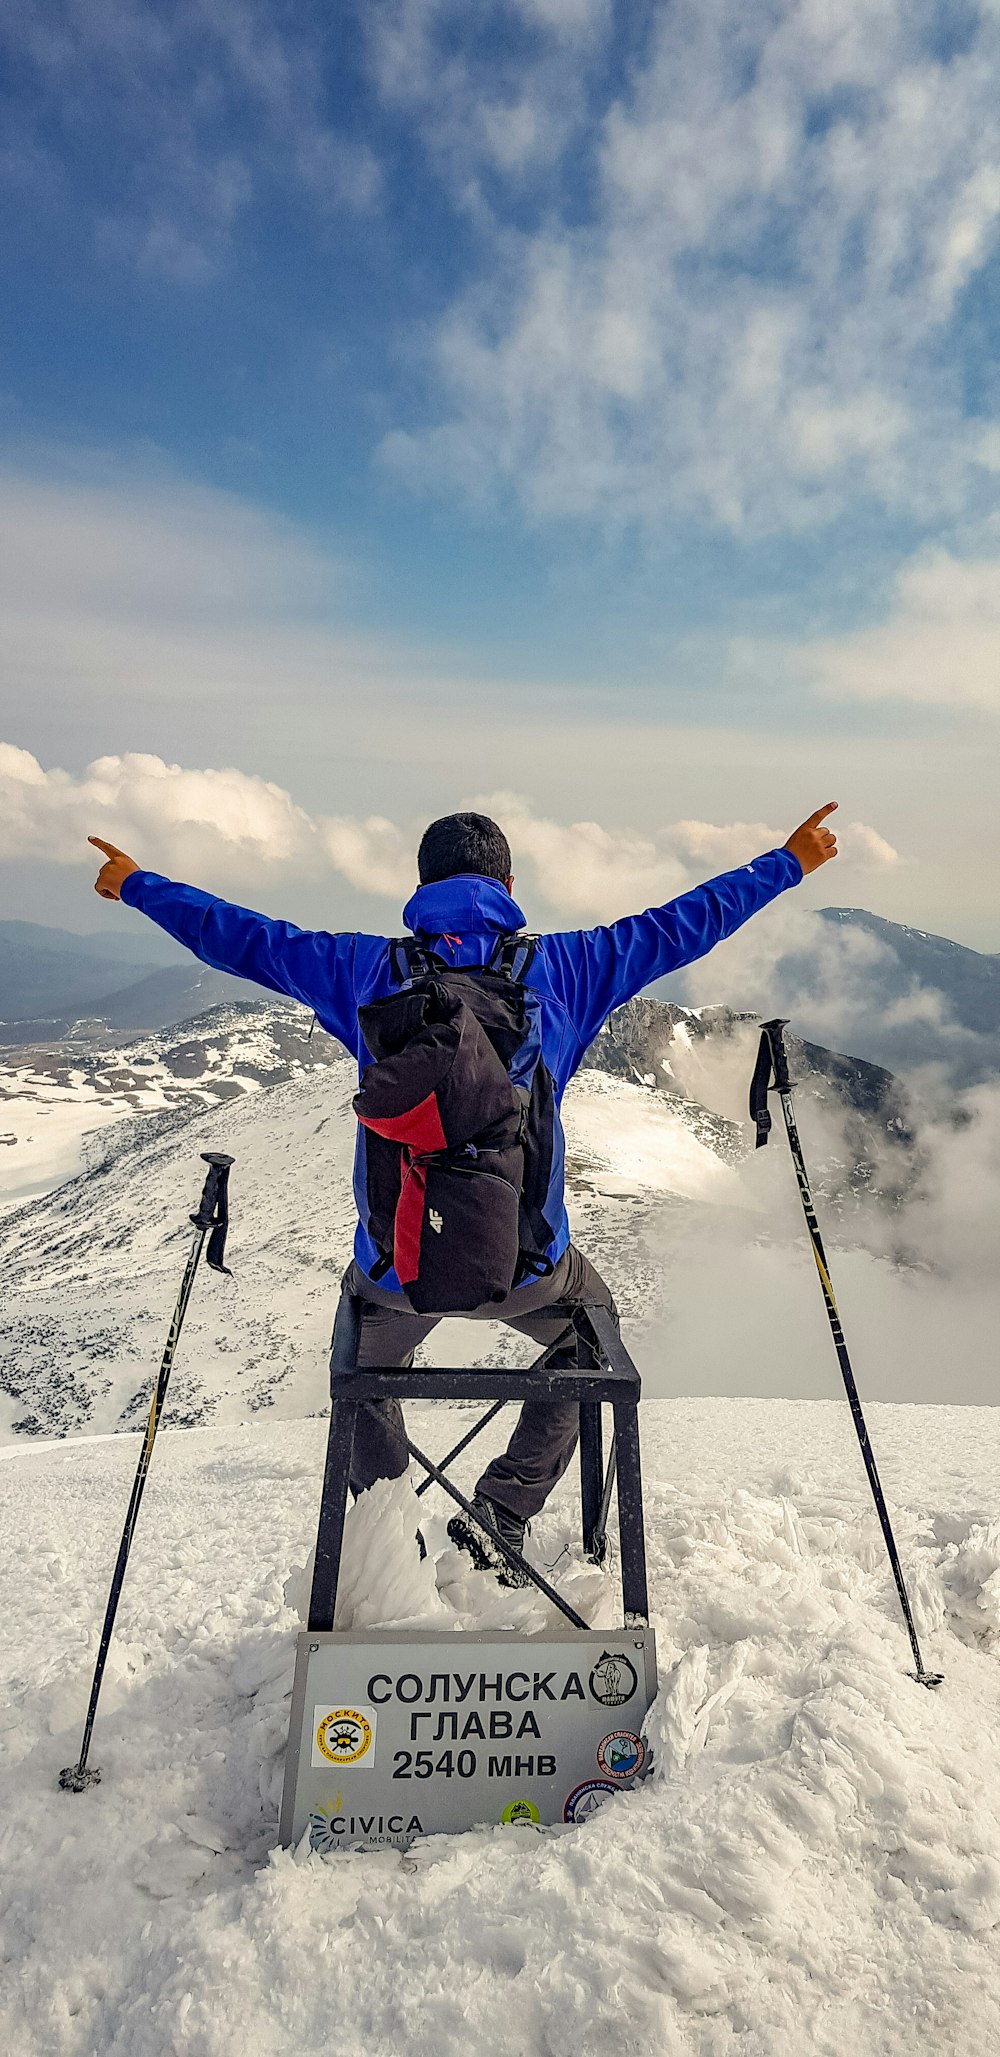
{"x":344,"y":1736}
{"x":587,"y":1799}
{"x":621,"y":1754}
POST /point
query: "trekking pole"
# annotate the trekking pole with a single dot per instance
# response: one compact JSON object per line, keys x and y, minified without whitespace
{"x":212,"y":1214}
{"x":772,"y":1061}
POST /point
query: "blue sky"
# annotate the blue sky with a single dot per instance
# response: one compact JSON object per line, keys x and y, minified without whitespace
{"x":407,"y":401}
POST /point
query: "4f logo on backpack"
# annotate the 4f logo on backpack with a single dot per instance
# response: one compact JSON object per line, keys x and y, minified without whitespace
{"x":458,"y":1114}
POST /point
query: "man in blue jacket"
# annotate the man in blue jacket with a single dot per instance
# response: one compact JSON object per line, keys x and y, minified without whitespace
{"x":462,"y":905}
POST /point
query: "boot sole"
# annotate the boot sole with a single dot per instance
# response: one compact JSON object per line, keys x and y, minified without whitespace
{"x":466,"y":1536}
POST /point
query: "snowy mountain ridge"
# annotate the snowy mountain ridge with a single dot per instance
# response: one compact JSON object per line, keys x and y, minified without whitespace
{"x":91,"y":1268}
{"x":90,"y":1264}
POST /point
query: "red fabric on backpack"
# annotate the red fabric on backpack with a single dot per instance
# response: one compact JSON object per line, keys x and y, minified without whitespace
{"x":438,"y":1101}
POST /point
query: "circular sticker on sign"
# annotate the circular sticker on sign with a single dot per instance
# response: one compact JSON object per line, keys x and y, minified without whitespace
{"x":520,"y":1813}
{"x":585,"y":1800}
{"x":621,"y":1754}
{"x":344,"y":1736}
{"x":614,"y":1679}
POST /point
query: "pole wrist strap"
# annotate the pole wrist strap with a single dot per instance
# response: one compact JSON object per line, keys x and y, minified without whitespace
{"x":772,"y":1063}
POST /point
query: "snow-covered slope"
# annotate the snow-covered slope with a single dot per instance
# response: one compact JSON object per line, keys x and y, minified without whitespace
{"x":91,"y":1270}
{"x":813,"y":1870}
{"x":54,"y":1096}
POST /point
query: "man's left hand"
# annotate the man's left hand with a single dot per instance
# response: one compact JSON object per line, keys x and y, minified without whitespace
{"x":813,"y":844}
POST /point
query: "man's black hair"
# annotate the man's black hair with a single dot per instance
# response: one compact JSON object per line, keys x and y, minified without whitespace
{"x":462,"y":843}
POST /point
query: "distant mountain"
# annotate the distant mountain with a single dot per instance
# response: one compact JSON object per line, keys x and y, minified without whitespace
{"x":51,"y":981}
{"x":166,"y":997}
{"x":907,"y":998}
{"x":144,"y":944}
{"x":90,"y":1266}
{"x":46,"y":971}
{"x":968,"y":979}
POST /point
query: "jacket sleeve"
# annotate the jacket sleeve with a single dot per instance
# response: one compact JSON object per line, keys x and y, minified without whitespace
{"x":308,"y":965}
{"x":593,"y":971}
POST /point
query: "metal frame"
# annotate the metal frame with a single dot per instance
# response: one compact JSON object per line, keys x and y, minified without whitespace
{"x":613,"y":1379}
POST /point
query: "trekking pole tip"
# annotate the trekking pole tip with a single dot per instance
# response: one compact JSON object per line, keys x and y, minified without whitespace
{"x":930,"y":1679}
{"x":75,"y":1778}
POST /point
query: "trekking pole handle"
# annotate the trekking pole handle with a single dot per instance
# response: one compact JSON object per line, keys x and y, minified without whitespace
{"x":213,"y":1207}
{"x":775,"y":1033}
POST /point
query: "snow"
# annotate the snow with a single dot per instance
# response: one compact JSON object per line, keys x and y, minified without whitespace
{"x":42,"y":1139}
{"x":93,"y":1268}
{"x":815,"y":1866}
{"x":54,"y":1097}
{"x":637,"y":1143}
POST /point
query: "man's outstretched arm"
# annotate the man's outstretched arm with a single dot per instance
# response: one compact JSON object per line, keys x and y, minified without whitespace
{"x":597,"y":970}
{"x":308,"y":965}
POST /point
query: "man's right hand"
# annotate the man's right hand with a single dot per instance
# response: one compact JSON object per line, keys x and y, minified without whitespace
{"x":112,"y":875}
{"x":813,"y":844}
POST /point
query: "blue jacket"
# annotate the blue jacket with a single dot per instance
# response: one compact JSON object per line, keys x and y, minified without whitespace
{"x":580,"y":976}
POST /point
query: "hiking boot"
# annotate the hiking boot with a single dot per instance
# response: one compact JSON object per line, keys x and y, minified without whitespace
{"x":468,"y":1536}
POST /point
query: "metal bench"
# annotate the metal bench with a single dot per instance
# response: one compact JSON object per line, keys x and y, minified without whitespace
{"x":613,"y":1379}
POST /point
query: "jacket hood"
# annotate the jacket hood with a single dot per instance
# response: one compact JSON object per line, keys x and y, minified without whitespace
{"x":456,"y":906}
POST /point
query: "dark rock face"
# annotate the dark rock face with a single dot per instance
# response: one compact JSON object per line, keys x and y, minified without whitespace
{"x":656,"y":1042}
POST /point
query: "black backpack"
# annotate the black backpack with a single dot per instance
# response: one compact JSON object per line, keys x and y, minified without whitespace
{"x":461,"y":1121}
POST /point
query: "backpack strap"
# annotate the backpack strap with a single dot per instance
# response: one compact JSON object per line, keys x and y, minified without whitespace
{"x":411,"y":959}
{"x":512,"y":956}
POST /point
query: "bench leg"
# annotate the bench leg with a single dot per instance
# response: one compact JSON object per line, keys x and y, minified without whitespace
{"x":635,"y":1599}
{"x":591,"y":1473}
{"x":332,"y":1513}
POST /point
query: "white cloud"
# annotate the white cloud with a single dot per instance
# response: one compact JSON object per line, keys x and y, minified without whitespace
{"x":841,"y":984}
{"x":487,"y":106}
{"x":129,"y":596}
{"x":139,"y":612}
{"x":866,"y":845}
{"x":374,"y":855}
{"x":745,"y":316}
{"x":139,"y":802}
{"x":592,"y":873}
{"x":233,"y":826}
{"x":939,"y":644}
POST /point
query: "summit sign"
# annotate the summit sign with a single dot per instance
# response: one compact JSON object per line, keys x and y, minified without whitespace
{"x":395,"y":1736}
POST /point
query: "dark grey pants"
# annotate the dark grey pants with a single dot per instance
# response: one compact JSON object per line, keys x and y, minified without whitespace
{"x":546,"y":1434}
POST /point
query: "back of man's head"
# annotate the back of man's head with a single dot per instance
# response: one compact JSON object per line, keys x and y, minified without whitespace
{"x":463,"y":843}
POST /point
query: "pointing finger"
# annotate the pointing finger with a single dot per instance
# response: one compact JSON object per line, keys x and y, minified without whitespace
{"x":109,"y":849}
{"x":820,"y":815}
